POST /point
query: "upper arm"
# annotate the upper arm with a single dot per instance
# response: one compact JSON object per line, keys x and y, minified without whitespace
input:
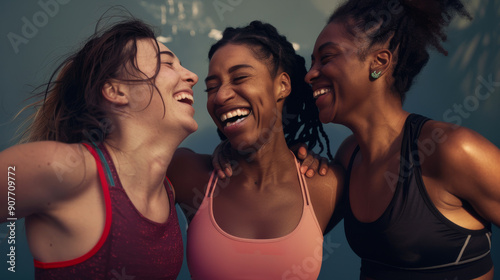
{"x":338,"y":213}
{"x":326,"y":195}
{"x":469,"y":166}
{"x":189,"y":173}
{"x":36,"y":176}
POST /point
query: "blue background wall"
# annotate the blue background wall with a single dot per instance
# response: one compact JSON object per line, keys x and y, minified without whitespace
{"x":190,"y":26}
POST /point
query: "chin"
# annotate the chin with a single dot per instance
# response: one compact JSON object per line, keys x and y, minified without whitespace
{"x":243,"y":146}
{"x":326,"y":117}
{"x":192,"y":127}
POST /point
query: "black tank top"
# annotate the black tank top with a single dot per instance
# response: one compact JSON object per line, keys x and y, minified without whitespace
{"x":412,"y":239}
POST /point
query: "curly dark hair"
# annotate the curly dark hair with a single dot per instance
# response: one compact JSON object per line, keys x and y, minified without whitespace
{"x":410,"y":27}
{"x":300,"y":114}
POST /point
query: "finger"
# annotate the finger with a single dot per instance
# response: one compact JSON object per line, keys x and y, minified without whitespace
{"x":310,"y":173}
{"x":302,"y":151}
{"x":323,"y":166}
{"x":221,"y":174}
{"x":306,"y":163}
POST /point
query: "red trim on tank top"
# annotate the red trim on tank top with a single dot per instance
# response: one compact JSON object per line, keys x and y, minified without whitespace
{"x":107,"y":224}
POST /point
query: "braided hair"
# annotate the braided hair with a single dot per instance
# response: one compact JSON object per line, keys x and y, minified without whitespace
{"x":410,"y":27}
{"x":300,"y":115}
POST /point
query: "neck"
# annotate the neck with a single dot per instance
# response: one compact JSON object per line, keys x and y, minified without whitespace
{"x":378,"y":129}
{"x":265,"y":165}
{"x":142,"y":159}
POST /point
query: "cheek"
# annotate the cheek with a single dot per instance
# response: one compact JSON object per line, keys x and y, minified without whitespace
{"x":210,"y":107}
{"x":330,"y":71}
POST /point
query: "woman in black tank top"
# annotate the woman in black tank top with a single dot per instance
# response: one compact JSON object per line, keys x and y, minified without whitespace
{"x":421,"y":194}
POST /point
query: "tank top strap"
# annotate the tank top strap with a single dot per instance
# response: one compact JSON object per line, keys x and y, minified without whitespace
{"x":303,"y":184}
{"x":102,"y":153}
{"x":212,"y":182}
{"x":349,"y":168}
{"x":170,"y":191}
{"x":413,"y":127}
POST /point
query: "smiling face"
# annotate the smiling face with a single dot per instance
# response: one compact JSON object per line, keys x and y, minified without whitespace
{"x":339,"y":77}
{"x":170,"y":105}
{"x":243,"y":98}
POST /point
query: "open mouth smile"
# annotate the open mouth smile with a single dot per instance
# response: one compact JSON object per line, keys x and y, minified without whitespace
{"x":322,"y":91}
{"x":234,"y":116}
{"x":184,"y":98}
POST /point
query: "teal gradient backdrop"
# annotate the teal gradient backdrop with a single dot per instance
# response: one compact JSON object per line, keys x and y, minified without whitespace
{"x":35,"y":35}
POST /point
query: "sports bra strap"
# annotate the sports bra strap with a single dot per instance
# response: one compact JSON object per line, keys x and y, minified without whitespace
{"x":302,"y":181}
{"x":212,"y":183}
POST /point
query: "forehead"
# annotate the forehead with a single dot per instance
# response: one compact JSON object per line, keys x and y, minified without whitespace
{"x":146,"y":48}
{"x":337,"y":34}
{"x":232,"y":54}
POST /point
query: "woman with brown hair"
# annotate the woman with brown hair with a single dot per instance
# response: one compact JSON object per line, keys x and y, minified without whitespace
{"x":91,"y":179}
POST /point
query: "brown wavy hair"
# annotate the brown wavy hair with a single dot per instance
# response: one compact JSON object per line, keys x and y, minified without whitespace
{"x":73,"y":109}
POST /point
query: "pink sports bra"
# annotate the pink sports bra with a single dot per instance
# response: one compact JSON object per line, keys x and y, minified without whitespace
{"x":215,"y":254}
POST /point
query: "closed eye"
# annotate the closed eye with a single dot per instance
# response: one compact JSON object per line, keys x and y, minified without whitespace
{"x":326,"y":58}
{"x":209,"y":89}
{"x":239,"y":79}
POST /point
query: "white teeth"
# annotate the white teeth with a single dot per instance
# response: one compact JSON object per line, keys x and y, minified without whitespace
{"x":321,"y":91}
{"x":182,"y":96}
{"x":235,"y":113}
{"x":235,"y":122}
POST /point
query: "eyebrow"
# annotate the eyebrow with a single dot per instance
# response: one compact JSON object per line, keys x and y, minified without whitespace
{"x":324,"y":46}
{"x":169,"y":53}
{"x":230,"y":70}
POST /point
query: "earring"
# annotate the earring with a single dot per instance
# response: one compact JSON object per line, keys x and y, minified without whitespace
{"x":376,"y":74}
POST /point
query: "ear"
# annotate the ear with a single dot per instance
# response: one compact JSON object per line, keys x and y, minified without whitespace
{"x":380,"y":64}
{"x":114,"y":92}
{"x":284,"y":86}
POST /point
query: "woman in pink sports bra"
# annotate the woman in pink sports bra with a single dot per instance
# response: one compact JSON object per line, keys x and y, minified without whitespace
{"x":267,"y":220}
{"x":91,"y":181}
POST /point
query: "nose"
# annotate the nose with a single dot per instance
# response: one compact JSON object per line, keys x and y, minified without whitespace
{"x":223,"y":94}
{"x":311,"y":75}
{"x":190,"y":77}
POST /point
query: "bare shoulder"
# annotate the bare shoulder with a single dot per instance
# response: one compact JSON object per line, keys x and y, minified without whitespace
{"x":345,"y":151}
{"x":465,"y":164}
{"x":455,"y":146}
{"x":47,"y":173}
{"x":332,"y":179}
{"x":61,"y":164}
{"x":326,"y":193}
{"x":327,"y":187}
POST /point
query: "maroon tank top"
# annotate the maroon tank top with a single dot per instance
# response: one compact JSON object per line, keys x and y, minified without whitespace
{"x":131,"y":246}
